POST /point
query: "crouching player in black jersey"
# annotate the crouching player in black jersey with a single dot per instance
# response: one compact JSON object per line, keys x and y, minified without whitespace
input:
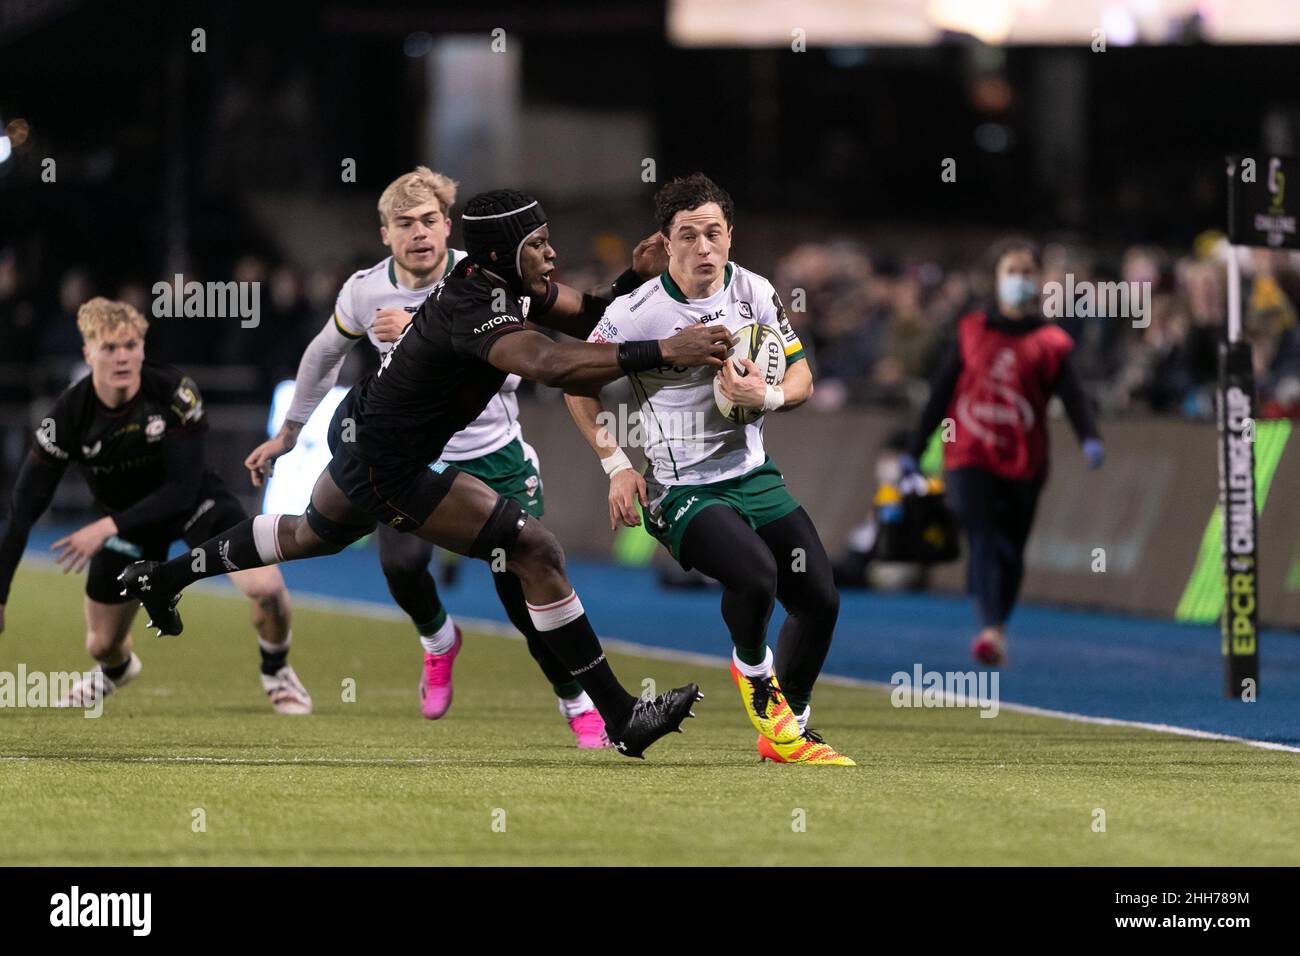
{"x":138,"y":432}
{"x":448,"y":363}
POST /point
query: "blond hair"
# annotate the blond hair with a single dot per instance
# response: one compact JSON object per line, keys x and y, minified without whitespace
{"x":416,"y":188}
{"x":100,"y":318}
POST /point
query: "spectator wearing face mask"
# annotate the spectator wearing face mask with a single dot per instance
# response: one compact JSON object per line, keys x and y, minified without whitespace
{"x":994,"y":385}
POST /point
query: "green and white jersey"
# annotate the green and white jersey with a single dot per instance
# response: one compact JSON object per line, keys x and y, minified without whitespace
{"x":370,"y":290}
{"x":376,"y":288}
{"x":688,"y":442}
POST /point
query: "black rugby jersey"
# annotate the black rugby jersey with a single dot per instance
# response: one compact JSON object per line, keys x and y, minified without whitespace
{"x":436,"y":379}
{"x":120,"y":450}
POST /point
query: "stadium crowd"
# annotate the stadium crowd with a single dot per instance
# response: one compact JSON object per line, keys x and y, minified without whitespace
{"x":875,"y":321}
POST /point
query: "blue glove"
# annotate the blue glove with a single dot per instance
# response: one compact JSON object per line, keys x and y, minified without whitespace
{"x":1094,"y":452}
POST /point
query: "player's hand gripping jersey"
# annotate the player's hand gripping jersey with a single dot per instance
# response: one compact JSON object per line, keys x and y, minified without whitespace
{"x":688,"y":441}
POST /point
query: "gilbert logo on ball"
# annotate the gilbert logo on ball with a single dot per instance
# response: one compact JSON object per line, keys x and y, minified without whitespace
{"x":761,"y":344}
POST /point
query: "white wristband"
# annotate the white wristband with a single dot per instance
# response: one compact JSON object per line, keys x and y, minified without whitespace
{"x":615,"y":463}
{"x":774,"y":398}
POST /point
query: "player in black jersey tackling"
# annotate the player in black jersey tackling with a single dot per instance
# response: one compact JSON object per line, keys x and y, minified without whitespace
{"x":469,"y":334}
{"x":138,"y":432}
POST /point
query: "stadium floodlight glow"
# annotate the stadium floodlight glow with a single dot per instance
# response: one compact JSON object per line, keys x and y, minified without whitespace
{"x":1119,"y":26}
{"x":990,"y":22}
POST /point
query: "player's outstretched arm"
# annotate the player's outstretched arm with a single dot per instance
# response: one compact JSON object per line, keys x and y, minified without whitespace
{"x":575,"y":313}
{"x":582,"y":366}
{"x":318,"y":370}
{"x":32,"y":494}
{"x":569,"y":311}
{"x":626,"y":487}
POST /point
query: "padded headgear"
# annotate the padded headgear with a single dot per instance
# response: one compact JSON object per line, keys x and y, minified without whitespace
{"x":499,"y":222}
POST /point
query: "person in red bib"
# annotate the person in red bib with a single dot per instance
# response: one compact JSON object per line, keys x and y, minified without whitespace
{"x":994,"y":385}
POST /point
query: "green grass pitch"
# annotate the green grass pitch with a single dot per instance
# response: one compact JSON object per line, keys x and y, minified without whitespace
{"x":498,"y":780}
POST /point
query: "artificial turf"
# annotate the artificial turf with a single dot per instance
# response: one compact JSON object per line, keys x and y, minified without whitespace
{"x":498,"y":780}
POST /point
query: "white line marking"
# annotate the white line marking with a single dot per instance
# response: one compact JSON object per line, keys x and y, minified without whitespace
{"x":267,"y":761}
{"x":387,"y":612}
{"x":501,"y":629}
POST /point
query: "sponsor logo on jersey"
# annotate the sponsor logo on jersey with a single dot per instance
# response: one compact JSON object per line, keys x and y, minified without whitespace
{"x":154,"y":428}
{"x":495,"y":321}
{"x":783,"y":322}
{"x":746,"y":311}
{"x":654,"y":286}
{"x":190,"y":408}
{"x":686,"y":506}
{"x":721,"y":313}
{"x":90,"y":451}
{"x":605,"y":331}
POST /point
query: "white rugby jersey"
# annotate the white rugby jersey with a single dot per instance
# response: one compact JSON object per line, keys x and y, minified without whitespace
{"x":688,"y":442}
{"x":376,"y":288}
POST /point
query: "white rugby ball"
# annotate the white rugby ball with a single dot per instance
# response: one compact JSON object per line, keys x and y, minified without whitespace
{"x":762,"y":345}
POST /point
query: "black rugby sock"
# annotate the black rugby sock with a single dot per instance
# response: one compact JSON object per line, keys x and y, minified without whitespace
{"x":232,"y":550}
{"x":567,"y":631}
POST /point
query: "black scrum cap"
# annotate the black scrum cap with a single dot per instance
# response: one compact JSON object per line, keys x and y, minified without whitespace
{"x":498,"y":222}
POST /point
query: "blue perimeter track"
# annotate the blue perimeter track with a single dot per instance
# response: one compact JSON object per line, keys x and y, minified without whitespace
{"x":1100,"y":665}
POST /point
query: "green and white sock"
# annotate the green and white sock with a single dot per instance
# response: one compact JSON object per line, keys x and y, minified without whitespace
{"x":762,"y":669}
{"x":440,"y":635}
{"x":574,"y":706}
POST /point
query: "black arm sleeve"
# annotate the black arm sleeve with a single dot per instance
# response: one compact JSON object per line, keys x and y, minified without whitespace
{"x":183,"y":469}
{"x":593,"y":308}
{"x":33,"y":491}
{"x":579,"y":326}
{"x":941,"y":389}
{"x":1075,"y":401}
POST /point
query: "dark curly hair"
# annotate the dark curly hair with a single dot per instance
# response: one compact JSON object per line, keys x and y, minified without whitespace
{"x":690,"y":192}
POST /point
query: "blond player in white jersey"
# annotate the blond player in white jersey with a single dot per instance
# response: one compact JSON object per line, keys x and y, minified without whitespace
{"x":712,"y":496}
{"x":377,"y":304}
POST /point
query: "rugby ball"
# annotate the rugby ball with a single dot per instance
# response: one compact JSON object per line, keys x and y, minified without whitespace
{"x":762,"y":345}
